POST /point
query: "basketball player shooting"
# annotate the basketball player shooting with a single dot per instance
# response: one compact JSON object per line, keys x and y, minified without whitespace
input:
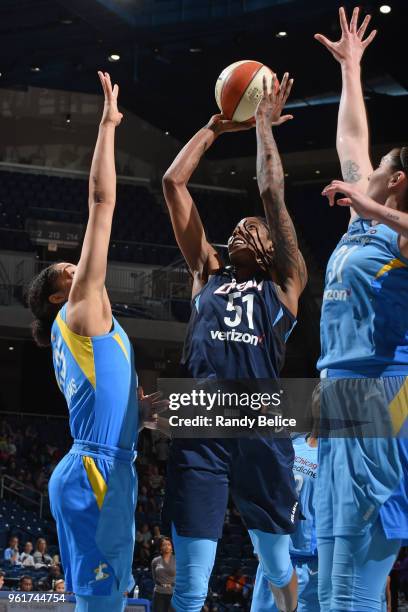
{"x":260,"y":293}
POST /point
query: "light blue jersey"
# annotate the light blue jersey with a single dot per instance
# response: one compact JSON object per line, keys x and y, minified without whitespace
{"x":98,"y":378}
{"x":364,"y":343}
{"x":364,"y":322}
{"x":93,"y":490}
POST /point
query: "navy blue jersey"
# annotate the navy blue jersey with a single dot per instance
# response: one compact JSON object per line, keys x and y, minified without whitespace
{"x":237,"y":329}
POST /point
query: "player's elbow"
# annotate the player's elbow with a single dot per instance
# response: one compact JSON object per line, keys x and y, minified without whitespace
{"x":101,"y":201}
{"x":171,"y":186}
{"x":171,"y":181}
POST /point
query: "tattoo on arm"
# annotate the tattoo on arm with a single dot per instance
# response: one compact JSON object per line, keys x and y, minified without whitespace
{"x":392,"y":217}
{"x":271,"y":186}
{"x":351,"y":171}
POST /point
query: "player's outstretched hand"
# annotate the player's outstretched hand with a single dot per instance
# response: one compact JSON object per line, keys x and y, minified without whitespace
{"x":219,"y":124}
{"x":150,"y":406}
{"x":271,"y":104}
{"x":364,"y":206}
{"x":352,"y":44}
{"x":110,"y":108}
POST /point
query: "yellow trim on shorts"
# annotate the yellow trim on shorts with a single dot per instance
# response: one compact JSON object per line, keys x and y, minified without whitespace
{"x":394,"y":264}
{"x":81,"y":349}
{"x":399,"y":407}
{"x":96,"y":480}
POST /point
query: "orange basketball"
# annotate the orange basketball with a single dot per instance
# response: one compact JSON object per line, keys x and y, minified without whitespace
{"x":239,"y":88}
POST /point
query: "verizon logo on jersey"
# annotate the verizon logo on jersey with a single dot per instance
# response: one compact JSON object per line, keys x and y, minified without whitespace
{"x":235,"y":336}
{"x":234,"y":286}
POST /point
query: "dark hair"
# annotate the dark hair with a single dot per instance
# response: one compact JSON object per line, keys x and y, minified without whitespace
{"x":164,"y":539}
{"x":399,"y":159}
{"x":265,"y":260}
{"x":26,"y":577}
{"x":42,"y":286}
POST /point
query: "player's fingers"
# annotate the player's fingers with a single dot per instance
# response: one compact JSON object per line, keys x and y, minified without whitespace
{"x":102,"y":80}
{"x":283,"y":85}
{"x":344,"y":202}
{"x":363,"y":27}
{"x":160,"y":405}
{"x":108,"y":84}
{"x":369,"y":38}
{"x":154,"y":396}
{"x":115,"y":91}
{"x":283,"y":119}
{"x":327,"y":189}
{"x":272,"y":95}
{"x":343,"y":20}
{"x":354,"y":20}
{"x":325,"y":41}
{"x":264,"y":86}
{"x":286,"y":94}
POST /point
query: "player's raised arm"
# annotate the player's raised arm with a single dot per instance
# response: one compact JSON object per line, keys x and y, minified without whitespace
{"x":89,"y":312}
{"x":201,"y":257}
{"x":288,"y":264}
{"x":352,"y":127}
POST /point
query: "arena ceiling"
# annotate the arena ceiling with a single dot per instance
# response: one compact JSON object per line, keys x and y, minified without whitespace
{"x":171,"y":52}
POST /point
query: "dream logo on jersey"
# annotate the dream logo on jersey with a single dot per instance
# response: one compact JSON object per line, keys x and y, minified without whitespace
{"x":234,"y":286}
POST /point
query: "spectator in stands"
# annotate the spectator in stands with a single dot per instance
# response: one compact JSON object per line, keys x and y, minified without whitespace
{"x":54,"y":573}
{"x":12,"y":554}
{"x":161,"y":448}
{"x":59,"y":586}
{"x":234,"y":587}
{"x":157,"y":540}
{"x":142,"y":497}
{"x":41,"y":557}
{"x":2,"y":575}
{"x":26,"y":557}
{"x":164,"y":576}
{"x":156,"y":479}
{"x":143,"y":538}
{"x":25,"y":584}
{"x":12,"y":449}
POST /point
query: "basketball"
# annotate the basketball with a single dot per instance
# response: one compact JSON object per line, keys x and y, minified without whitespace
{"x":239,"y":88}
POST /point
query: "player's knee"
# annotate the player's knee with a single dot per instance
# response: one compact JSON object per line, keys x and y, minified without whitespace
{"x":273,"y":552}
{"x":279,"y":576}
{"x":188,"y":601}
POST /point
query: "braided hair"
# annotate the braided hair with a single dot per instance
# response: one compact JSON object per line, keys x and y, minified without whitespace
{"x":263,"y":258}
{"x":42,"y":286}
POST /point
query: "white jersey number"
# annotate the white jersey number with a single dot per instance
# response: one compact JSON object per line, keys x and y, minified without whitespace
{"x":339,"y":260}
{"x":232,"y":306}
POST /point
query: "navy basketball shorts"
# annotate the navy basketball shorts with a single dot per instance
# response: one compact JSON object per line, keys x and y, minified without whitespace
{"x":257,"y":472}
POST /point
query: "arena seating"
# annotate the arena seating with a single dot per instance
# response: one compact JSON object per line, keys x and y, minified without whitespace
{"x":21,"y":522}
{"x":141,"y":220}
